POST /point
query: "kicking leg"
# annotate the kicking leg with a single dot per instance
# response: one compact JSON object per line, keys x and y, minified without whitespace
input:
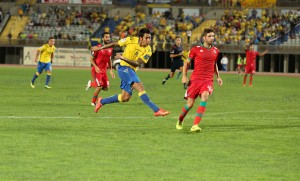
{"x":200,"y":111}
{"x":145,"y":98}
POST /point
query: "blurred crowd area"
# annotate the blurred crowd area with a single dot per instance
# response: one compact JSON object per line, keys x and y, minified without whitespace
{"x":240,"y":25}
{"x":236,"y":25}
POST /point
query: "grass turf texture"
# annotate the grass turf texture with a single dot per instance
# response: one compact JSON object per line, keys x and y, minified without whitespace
{"x":247,"y":133}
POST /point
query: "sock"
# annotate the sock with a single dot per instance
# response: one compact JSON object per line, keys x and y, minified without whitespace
{"x":167,"y":77}
{"x":111,"y":99}
{"x":95,"y":96}
{"x":185,"y":109}
{"x":251,"y":77}
{"x":200,"y":112}
{"x":34,"y":77}
{"x":147,"y":101}
{"x":179,"y":73}
{"x":245,"y":79}
{"x":94,"y":84}
{"x":48,"y":78}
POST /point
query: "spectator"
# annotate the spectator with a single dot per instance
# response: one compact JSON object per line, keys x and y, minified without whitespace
{"x":254,"y":14}
{"x":224,"y":62}
{"x":209,"y":2}
{"x":1,"y":15}
{"x":20,"y":12}
{"x":9,"y":37}
{"x":189,"y":34}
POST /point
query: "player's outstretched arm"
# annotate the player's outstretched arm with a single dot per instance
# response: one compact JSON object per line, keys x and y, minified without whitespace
{"x":130,"y":62}
{"x":263,"y":53}
{"x":247,"y":46}
{"x":96,"y":48}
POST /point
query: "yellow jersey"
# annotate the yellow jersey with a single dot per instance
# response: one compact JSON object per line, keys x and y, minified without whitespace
{"x":185,"y":55}
{"x":46,"y":52}
{"x":133,"y":51}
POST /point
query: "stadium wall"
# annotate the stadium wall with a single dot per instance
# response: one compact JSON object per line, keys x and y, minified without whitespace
{"x":279,"y":61}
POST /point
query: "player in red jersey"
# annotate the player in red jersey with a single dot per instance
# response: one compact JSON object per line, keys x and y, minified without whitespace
{"x":100,"y":61}
{"x":201,"y":81}
{"x":251,"y":62}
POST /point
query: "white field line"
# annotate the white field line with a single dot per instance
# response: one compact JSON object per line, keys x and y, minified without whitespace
{"x":191,"y":114}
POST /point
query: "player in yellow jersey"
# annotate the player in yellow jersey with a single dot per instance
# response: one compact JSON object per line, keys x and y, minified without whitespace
{"x":137,"y":51}
{"x":45,"y":61}
{"x":185,"y":55}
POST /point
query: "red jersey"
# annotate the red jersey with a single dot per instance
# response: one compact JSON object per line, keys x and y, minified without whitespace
{"x":251,"y":58}
{"x":102,"y":57}
{"x":204,"y":62}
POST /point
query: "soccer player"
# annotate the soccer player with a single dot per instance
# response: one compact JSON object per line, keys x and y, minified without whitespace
{"x":201,"y":82}
{"x":45,"y":61}
{"x":185,"y":56}
{"x":239,"y":64}
{"x":176,"y":59}
{"x":100,"y":60}
{"x":251,"y":61}
{"x":137,"y":51}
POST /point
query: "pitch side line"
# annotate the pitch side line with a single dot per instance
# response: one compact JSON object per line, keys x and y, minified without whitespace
{"x":143,"y":118}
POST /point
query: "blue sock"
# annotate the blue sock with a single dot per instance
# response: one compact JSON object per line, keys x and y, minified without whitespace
{"x":34,"y":77}
{"x":111,"y":99}
{"x":48,"y":79}
{"x":147,"y":101}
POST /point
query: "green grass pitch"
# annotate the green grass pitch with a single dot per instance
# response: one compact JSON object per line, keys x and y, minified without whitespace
{"x":247,"y":133}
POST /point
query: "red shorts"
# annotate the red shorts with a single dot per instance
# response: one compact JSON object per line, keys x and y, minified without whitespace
{"x":100,"y":79}
{"x":240,"y":66}
{"x":250,"y":70}
{"x":197,"y":87}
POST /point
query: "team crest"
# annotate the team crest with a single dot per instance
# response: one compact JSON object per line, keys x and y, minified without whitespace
{"x":146,"y":57}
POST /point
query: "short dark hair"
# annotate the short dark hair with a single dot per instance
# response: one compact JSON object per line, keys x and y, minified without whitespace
{"x":104,"y":33}
{"x":143,"y":31}
{"x":51,"y":38}
{"x":207,"y":30}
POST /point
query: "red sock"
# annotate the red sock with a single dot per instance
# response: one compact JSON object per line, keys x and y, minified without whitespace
{"x":185,"y":109}
{"x":94,"y":99}
{"x":94,"y":84}
{"x":251,"y":77}
{"x":199,"y":113}
{"x":245,"y":79}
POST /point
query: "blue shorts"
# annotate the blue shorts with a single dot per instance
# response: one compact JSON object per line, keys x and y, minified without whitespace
{"x":41,"y":66}
{"x":128,"y":76}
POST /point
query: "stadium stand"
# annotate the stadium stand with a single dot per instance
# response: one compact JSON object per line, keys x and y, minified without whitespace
{"x":80,"y":26}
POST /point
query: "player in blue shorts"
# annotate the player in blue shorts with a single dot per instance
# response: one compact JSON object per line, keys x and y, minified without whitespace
{"x":44,"y":63}
{"x":137,"y":51}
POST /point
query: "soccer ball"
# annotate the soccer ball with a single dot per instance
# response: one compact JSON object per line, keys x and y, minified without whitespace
{"x":116,"y":63}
